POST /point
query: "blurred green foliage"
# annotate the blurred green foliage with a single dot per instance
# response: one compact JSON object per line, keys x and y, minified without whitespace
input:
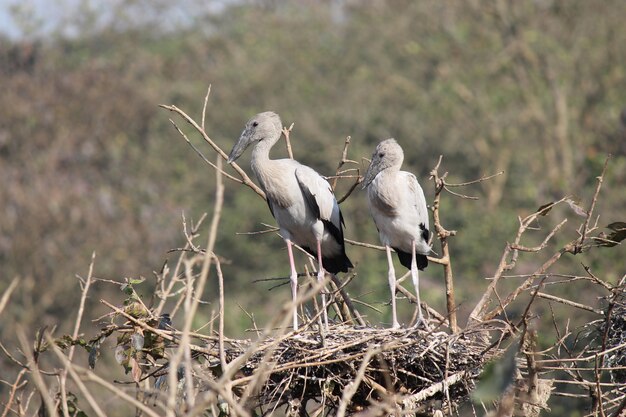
{"x":89,"y":162}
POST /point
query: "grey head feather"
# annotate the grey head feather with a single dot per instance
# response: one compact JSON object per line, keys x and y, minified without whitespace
{"x":388,"y":154}
{"x":262,"y":126}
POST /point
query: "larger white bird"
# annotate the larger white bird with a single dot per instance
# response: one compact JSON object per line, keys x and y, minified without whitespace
{"x":300,"y":199}
{"x":398,"y":207}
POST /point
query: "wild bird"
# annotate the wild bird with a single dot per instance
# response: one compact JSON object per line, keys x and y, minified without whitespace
{"x":398,"y":207}
{"x":300,"y":199}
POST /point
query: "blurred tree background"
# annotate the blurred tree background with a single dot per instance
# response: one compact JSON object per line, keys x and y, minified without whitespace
{"x":90,"y":163}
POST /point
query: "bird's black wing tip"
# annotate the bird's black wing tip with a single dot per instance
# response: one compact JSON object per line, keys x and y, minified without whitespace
{"x":405,"y":259}
{"x":422,"y":261}
{"x":340,"y":263}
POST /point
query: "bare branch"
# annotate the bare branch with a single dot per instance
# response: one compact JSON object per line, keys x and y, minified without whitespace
{"x":244,"y":177}
{"x":342,"y":161}
{"x":286,"y":132}
{"x":579,"y":245}
{"x":440,"y":261}
{"x":443,"y":235}
{"x":569,"y":303}
{"x":481,"y":179}
{"x":204,"y":158}
{"x":70,"y":355}
{"x":206,"y":101}
{"x":6,"y":295}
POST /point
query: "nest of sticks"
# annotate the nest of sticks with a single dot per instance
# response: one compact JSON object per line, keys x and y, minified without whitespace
{"x":615,"y":331}
{"x":408,"y":369}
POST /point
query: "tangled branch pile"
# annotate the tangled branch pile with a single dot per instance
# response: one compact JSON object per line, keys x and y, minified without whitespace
{"x":369,"y":364}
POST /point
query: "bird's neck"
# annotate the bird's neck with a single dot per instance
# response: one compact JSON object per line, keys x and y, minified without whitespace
{"x":261,"y":151}
{"x":261,"y":155}
{"x":390,"y":172}
{"x":386,"y":180}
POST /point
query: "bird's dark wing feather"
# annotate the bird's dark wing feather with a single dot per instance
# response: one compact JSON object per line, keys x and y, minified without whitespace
{"x":320,"y":199}
{"x":405,"y":259}
{"x":318,"y":194}
{"x":269,"y":204}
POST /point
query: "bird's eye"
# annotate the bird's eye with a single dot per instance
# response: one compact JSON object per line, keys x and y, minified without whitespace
{"x":381,"y":155}
{"x":255,"y":124}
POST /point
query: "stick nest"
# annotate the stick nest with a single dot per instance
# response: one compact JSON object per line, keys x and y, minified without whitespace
{"x":408,"y":365}
{"x":615,"y":328}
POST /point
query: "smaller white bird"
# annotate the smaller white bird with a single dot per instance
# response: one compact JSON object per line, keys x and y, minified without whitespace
{"x":398,"y":207}
{"x":300,"y":199}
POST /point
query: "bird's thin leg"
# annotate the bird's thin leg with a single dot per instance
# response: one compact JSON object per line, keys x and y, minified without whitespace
{"x":392,"y":287}
{"x":416,"y":283}
{"x":294,"y":283}
{"x":320,"y":278}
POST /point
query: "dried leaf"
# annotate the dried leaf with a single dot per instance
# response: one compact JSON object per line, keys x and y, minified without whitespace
{"x":135,"y":369}
{"x":72,"y":406}
{"x":127,"y":286}
{"x":136,"y":309}
{"x":121,"y":354}
{"x":94,"y":352}
{"x":613,"y":239}
{"x":127,"y":289}
{"x":165,"y":322}
{"x":576,"y":208}
{"x":160,"y":381}
{"x":545,"y":209}
{"x":137,"y":340}
{"x":154,"y":345}
{"x":617,"y":226}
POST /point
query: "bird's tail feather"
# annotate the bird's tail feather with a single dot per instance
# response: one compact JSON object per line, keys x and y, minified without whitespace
{"x":333,"y":264}
{"x":339,"y":263}
{"x":405,"y":259}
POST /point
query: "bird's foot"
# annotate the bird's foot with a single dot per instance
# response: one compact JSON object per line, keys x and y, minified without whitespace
{"x":421,"y":322}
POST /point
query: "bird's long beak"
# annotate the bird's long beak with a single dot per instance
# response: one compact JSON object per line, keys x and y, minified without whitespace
{"x":238,"y":149}
{"x":370,"y":174}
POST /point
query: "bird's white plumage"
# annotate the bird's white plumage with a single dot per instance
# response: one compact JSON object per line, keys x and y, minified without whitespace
{"x":287,"y":184}
{"x":300,"y":199}
{"x":313,"y":184}
{"x":398,"y":207}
